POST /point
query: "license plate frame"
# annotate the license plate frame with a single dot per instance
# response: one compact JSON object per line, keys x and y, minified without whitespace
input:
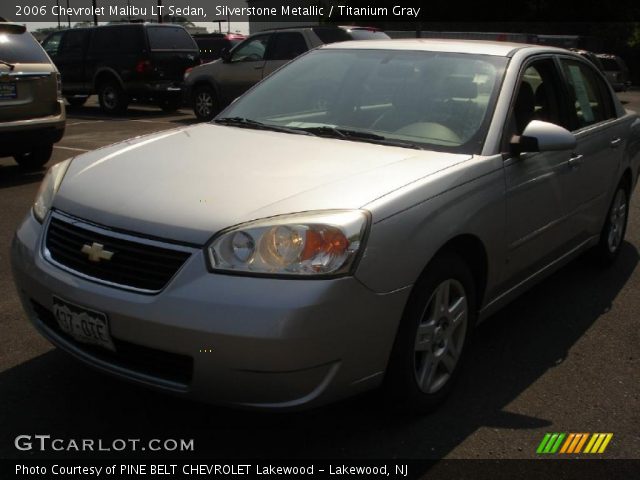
{"x":83,"y":324}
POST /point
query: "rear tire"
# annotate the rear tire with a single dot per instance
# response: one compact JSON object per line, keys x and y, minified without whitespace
{"x":431,"y":341}
{"x":35,"y":159}
{"x":615,"y":226}
{"x":113,"y":99}
{"x":205,"y":105}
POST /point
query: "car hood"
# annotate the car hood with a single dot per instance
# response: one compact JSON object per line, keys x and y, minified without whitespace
{"x":186,"y":184}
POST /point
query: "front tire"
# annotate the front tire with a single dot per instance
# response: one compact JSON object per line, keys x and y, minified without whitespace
{"x":34,"y":159}
{"x":113,"y":100}
{"x":615,"y":226}
{"x":433,"y":335}
{"x":204,"y":103}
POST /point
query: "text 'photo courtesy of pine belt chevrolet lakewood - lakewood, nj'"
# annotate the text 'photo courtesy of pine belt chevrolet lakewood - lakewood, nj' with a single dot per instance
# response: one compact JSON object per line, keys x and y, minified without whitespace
{"x":341,"y":226}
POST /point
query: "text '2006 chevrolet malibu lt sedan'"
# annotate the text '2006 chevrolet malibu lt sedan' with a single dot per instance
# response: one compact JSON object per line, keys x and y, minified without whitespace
{"x":343,"y":225}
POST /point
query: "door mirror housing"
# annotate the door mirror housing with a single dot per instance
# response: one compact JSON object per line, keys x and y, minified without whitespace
{"x":541,"y":136}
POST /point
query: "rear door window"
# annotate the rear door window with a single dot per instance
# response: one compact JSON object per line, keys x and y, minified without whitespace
{"x":20,"y":48}
{"x":74,"y":42}
{"x":118,"y":39}
{"x":286,"y":46}
{"x":590,"y":100}
{"x":170,"y":38}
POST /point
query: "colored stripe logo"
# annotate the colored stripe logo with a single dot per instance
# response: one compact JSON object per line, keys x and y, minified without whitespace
{"x":574,"y":443}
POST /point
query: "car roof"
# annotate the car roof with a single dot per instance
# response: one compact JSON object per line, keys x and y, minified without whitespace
{"x":121,"y":24}
{"x":479,"y":47}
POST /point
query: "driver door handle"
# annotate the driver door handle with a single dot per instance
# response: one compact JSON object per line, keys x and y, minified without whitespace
{"x":576,"y":160}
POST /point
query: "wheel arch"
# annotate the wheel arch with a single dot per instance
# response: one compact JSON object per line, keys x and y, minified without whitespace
{"x":105,"y":74}
{"x":204,"y":81}
{"x":473,"y":252}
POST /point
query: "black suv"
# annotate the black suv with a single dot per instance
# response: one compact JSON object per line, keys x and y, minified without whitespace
{"x":143,"y":62}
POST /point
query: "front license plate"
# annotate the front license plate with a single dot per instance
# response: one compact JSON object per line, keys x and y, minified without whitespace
{"x":8,"y":91}
{"x":84,"y":325}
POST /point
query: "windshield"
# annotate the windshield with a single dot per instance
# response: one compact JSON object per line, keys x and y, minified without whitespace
{"x":432,"y":100}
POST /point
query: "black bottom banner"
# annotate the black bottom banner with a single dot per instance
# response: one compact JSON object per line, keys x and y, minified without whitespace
{"x":578,"y":469}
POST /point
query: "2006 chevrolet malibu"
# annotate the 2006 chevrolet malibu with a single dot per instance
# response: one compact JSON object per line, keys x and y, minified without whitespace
{"x":343,"y":225}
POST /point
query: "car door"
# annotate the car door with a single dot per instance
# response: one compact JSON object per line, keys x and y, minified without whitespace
{"x":244,"y":67}
{"x":539,"y":225}
{"x":599,"y":136}
{"x":70,"y":60}
{"x":283,"y":47}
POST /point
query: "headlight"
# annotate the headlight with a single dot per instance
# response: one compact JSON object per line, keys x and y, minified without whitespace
{"x":48,"y":189}
{"x":304,"y":244}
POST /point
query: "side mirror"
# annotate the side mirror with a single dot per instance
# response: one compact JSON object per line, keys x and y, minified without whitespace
{"x":225,"y":54}
{"x":541,"y":136}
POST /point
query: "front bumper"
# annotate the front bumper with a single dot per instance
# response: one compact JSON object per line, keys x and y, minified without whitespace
{"x":270,"y":343}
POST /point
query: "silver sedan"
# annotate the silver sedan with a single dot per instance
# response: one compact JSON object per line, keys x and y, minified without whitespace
{"x":342,"y":226}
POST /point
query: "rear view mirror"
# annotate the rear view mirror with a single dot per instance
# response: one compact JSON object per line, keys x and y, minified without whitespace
{"x":541,"y":136}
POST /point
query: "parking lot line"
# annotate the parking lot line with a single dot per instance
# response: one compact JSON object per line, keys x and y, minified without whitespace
{"x":71,"y":148}
{"x":81,"y":123}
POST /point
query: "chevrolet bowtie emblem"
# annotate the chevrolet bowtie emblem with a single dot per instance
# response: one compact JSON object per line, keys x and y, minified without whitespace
{"x":96,"y":252}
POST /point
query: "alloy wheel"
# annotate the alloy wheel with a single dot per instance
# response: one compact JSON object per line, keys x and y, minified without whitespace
{"x":204,"y":104}
{"x":440,"y":336}
{"x":617,"y":220}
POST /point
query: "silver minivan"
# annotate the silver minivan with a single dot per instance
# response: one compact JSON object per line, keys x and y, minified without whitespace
{"x":32,"y":113}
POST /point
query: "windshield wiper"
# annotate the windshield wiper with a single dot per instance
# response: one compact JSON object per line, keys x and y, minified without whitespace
{"x":248,"y":123}
{"x":358,"y":135}
{"x":10,"y":65}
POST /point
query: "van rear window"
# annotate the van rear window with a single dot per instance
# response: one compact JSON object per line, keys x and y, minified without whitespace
{"x":20,"y":48}
{"x":170,"y":38}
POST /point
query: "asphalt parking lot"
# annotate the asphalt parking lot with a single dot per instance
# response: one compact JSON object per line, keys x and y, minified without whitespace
{"x":565,"y":357}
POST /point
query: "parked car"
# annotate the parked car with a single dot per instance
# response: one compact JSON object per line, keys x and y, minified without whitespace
{"x":342,"y":226}
{"x":32,"y":113}
{"x":214,"y":85}
{"x":592,"y":57}
{"x":616,"y":71}
{"x":355,"y":32}
{"x":121,"y":63}
{"x":212,"y":45}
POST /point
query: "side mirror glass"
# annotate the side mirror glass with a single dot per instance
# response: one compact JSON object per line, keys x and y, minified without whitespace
{"x":541,"y":136}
